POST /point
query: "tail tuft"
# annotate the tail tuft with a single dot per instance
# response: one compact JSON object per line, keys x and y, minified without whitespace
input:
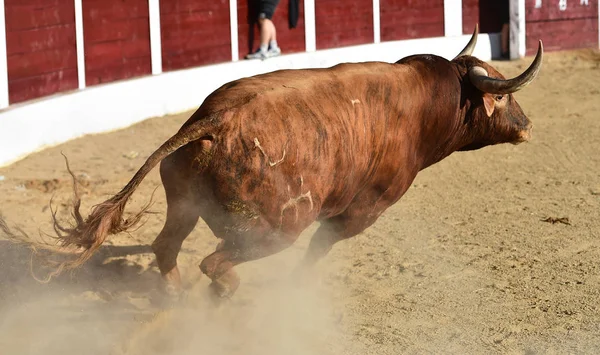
{"x":84,"y":237}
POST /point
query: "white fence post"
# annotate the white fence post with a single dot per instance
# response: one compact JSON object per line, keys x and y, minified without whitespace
{"x":155,"y":41}
{"x":453,"y":18}
{"x":310,"y":35}
{"x":233,"y":26}
{"x":517,"y":38}
{"x":80,"y":45}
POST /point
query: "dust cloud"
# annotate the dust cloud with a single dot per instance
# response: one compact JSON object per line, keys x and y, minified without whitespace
{"x":281,"y":319}
{"x":112,"y":306}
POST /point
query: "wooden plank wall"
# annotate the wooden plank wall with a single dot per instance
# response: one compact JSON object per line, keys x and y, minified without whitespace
{"x":194,"y":32}
{"x":342,"y":23}
{"x":407,"y":19}
{"x":575,"y":27}
{"x":291,"y":40}
{"x":117,"y":40}
{"x":470,"y":15}
{"x":41,"y":40}
{"x":41,"y":48}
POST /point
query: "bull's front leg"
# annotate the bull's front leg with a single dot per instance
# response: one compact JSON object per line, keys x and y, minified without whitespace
{"x":352,"y":222}
{"x":230,"y":252}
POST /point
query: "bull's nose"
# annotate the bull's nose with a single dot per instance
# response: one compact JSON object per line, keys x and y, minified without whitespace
{"x":525,"y":134}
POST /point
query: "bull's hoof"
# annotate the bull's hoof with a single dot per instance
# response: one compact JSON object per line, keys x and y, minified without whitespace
{"x":168,"y":296}
{"x":173,"y":290}
{"x":225,"y":286}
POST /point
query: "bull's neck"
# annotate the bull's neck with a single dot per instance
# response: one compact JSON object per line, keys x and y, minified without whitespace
{"x":443,"y":130}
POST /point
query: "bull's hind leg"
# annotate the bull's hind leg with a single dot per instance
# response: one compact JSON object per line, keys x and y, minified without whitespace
{"x":182,"y":216}
{"x":181,"y":220}
{"x":218,"y":266}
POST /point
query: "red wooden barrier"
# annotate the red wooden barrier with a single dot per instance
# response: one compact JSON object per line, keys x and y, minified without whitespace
{"x":194,"y":32}
{"x":291,"y":40}
{"x":41,"y":48}
{"x":342,"y":23}
{"x":41,"y":44}
{"x":406,"y":19}
{"x":470,"y":15}
{"x":573,"y":26}
{"x":117,"y":40}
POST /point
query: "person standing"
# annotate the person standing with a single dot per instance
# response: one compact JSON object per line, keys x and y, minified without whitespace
{"x":504,"y":13}
{"x":268,"y":34}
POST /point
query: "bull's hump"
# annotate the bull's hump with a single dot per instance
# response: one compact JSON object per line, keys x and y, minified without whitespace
{"x":306,"y":79}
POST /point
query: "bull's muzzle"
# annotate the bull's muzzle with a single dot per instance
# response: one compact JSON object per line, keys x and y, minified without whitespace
{"x":524,"y":135}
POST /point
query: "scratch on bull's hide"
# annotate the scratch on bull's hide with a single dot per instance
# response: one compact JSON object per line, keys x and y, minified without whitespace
{"x":293,"y":202}
{"x":355,"y":101}
{"x":271,"y":163}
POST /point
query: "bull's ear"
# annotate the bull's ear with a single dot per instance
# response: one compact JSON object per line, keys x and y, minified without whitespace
{"x":489,"y":103}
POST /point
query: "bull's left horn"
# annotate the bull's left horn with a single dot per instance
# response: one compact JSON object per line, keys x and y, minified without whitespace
{"x":468,"y":50}
{"x":480,"y":79}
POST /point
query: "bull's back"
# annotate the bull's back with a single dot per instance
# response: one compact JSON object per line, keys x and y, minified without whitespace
{"x":303,"y":144}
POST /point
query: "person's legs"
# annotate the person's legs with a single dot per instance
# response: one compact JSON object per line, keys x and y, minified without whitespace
{"x":268,"y":34}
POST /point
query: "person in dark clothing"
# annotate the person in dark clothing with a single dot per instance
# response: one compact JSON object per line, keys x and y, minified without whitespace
{"x":504,"y":14}
{"x":268,"y":34}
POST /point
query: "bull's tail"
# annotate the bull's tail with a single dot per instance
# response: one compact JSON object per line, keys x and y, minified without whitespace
{"x":106,"y":218}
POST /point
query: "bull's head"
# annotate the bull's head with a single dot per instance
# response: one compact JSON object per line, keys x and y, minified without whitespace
{"x":490,"y":108}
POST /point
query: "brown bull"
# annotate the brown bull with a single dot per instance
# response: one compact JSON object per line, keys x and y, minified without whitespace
{"x":264,"y":157}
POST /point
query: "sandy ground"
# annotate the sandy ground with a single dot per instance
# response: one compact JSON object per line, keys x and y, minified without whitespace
{"x":464,"y":263}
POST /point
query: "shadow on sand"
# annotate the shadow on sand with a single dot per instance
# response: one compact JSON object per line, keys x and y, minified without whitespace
{"x":110,"y":271}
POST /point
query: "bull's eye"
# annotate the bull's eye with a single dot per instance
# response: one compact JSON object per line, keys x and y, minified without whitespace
{"x":499,"y":97}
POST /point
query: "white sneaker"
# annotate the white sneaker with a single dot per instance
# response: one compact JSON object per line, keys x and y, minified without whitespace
{"x":273,"y":52}
{"x":257,"y":55}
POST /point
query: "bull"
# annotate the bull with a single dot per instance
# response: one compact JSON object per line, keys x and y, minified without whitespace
{"x":264,"y":157}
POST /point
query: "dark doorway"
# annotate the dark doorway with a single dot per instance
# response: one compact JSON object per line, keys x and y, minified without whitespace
{"x":494,"y":17}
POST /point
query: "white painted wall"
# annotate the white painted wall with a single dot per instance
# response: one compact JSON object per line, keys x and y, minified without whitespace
{"x":453,"y":18}
{"x":29,"y":127}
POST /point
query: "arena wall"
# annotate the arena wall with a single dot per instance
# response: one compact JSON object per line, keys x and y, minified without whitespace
{"x":343,"y":23}
{"x":40,"y":48}
{"x":562,"y":24}
{"x":420,"y":19}
{"x":75,"y":67}
{"x":117,"y":40}
{"x":470,"y":16}
{"x":194,"y":33}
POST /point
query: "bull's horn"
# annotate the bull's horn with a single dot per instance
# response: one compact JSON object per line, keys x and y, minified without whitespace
{"x":480,"y":79}
{"x":471,"y":45}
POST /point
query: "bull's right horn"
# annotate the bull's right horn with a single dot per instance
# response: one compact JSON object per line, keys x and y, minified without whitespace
{"x":480,"y":79}
{"x":468,"y":50}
